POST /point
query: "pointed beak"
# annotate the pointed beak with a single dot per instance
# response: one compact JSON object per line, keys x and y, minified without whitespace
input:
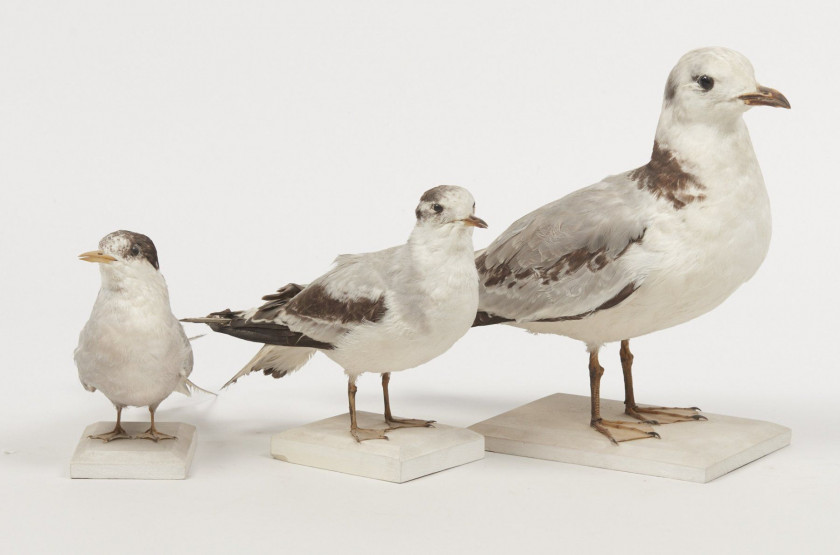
{"x":765,"y":96}
{"x":475,"y":222}
{"x":97,"y":256}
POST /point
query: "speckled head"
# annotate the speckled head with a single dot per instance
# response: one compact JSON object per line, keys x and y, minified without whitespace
{"x":125,"y":246}
{"x":447,"y":204}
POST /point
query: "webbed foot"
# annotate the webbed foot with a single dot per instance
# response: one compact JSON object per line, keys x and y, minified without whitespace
{"x":664,"y":415}
{"x":116,"y":433}
{"x":364,"y":434}
{"x":396,"y":423}
{"x":623,"y":431}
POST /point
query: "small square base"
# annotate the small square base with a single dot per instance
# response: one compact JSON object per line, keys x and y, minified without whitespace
{"x":409,"y":453}
{"x":135,"y":459}
{"x":557,"y":428}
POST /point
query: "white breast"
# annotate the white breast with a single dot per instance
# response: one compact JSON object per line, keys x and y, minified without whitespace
{"x":423,"y":320}
{"x":132,"y":349}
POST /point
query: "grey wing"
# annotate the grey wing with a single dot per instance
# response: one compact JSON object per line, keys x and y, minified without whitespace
{"x":570,"y":258}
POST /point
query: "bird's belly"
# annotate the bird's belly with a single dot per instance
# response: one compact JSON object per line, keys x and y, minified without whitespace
{"x":400,"y":344}
{"x":137,"y":369}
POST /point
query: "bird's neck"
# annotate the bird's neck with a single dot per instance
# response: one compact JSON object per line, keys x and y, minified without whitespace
{"x":719,"y":151}
{"x":135,"y":283}
{"x":433,"y":245}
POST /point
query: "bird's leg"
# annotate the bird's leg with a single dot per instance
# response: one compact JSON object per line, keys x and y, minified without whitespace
{"x":361,"y":434}
{"x":662,"y":415}
{"x":626,"y":431}
{"x":117,"y":433}
{"x":152,"y":432}
{"x":395,"y":423}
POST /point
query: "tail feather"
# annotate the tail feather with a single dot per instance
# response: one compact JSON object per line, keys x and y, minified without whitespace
{"x":192,"y":387}
{"x":243,"y":326}
{"x":275,"y":361}
{"x":188,"y":388}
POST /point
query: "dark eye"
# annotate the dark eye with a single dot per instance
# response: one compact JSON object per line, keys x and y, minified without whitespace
{"x":706,"y":83}
{"x":437,"y":208}
{"x":135,"y":250}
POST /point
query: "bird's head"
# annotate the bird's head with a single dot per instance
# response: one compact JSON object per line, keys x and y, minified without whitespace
{"x":448,"y":206}
{"x":124,"y":253}
{"x":715,"y":86}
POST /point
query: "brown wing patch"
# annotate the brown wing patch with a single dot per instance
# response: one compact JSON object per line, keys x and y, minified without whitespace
{"x":663,"y":177}
{"x":315,"y":302}
{"x":566,"y":265}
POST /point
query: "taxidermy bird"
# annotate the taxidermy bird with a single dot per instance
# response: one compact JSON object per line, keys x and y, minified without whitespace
{"x":132,"y":348}
{"x":377,"y":312}
{"x":649,"y":248}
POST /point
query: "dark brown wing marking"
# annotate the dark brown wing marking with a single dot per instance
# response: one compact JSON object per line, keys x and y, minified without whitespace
{"x":314,"y":302}
{"x":663,"y":177}
{"x":486,"y":319}
{"x":566,"y":265}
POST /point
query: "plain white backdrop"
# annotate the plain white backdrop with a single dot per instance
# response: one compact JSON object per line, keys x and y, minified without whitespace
{"x":254,"y":141}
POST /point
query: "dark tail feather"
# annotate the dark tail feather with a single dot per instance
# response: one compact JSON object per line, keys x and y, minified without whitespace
{"x":231,"y":323}
{"x":486,"y":319}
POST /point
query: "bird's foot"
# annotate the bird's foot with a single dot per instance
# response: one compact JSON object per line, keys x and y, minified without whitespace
{"x":623,"y":431}
{"x":664,"y":415}
{"x":154,"y":435}
{"x":116,"y":433}
{"x":395,"y":423}
{"x":364,"y":434}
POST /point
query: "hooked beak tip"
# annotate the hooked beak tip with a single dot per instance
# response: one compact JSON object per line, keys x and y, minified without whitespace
{"x":765,"y":96}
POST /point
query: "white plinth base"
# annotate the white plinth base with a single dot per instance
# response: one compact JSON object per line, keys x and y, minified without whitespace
{"x":409,"y":453}
{"x":557,"y":428}
{"x":135,"y":459}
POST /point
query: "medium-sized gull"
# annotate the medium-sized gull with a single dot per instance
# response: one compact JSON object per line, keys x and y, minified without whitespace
{"x":377,"y":312}
{"x":132,"y":348}
{"x":649,"y":248}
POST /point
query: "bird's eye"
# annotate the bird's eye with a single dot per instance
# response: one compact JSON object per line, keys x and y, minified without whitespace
{"x":135,"y":250}
{"x":706,"y":83}
{"x":437,"y":208}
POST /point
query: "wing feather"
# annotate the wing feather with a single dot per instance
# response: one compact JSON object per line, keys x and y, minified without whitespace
{"x":570,"y":258}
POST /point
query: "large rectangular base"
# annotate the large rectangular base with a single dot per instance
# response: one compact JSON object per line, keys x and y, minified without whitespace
{"x":557,"y":428}
{"x":135,"y":459}
{"x":408,"y":453}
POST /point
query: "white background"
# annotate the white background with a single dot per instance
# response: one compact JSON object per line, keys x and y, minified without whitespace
{"x":254,"y":141}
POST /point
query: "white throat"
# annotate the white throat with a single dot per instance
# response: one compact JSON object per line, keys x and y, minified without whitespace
{"x":715,"y":151}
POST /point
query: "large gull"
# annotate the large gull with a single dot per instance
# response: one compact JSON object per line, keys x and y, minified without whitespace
{"x":649,"y":248}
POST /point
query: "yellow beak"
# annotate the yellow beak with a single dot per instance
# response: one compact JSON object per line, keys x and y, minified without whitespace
{"x":97,"y":256}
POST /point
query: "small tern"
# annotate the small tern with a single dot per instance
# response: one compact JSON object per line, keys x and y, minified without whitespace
{"x":132,"y":348}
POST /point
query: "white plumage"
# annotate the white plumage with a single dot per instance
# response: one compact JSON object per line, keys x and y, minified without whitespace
{"x":652,"y":247}
{"x":132,"y":348}
{"x":377,"y":312}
